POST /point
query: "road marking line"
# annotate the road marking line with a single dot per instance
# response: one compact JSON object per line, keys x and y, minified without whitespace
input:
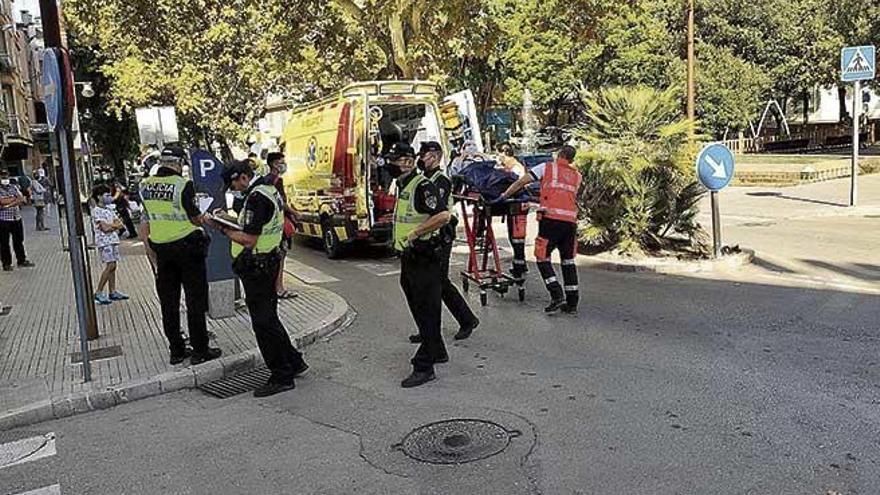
{"x":306,"y":273}
{"x":27,"y":450}
{"x":46,"y":490}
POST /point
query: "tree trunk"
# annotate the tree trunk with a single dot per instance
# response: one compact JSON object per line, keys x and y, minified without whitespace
{"x":806,"y":108}
{"x":398,"y":41}
{"x":841,"y":99}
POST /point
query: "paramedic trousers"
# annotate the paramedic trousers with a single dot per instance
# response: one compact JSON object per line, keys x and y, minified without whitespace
{"x":516,"y":232}
{"x":552,"y":235}
{"x":421,"y":278}
{"x":452,"y":298}
{"x":181,"y":264}
{"x":281,"y":357}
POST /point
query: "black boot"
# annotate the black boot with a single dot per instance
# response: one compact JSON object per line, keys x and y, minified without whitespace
{"x":555,"y":306}
{"x":179,"y":357}
{"x":466,"y":330}
{"x":272,"y":388}
{"x":417,"y":378}
{"x":209,"y":354}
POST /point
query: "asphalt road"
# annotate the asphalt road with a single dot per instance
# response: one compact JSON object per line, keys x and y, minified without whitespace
{"x":662,"y":385}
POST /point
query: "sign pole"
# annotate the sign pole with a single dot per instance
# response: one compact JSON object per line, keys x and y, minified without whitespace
{"x":854,"y":175}
{"x":716,"y":224}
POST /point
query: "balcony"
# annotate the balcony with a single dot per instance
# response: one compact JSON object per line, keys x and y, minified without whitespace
{"x":14,"y":126}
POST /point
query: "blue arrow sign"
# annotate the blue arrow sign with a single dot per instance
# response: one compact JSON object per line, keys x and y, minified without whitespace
{"x":715,"y":166}
{"x":53,"y":92}
{"x":858,"y":63}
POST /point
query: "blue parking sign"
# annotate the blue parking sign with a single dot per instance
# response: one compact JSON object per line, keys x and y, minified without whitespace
{"x":715,"y":166}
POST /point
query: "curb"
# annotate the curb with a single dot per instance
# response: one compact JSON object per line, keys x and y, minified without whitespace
{"x":171,"y":381}
{"x":670,"y":266}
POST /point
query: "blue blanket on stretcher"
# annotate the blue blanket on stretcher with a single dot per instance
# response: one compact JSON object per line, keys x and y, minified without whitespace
{"x":489,"y":181}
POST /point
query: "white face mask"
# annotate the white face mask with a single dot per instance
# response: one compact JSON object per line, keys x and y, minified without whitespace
{"x":4,"y":182}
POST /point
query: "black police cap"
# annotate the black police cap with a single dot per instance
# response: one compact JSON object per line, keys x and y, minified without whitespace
{"x":173,"y":153}
{"x":235,"y":170}
{"x":401,"y":150}
{"x":429,"y":146}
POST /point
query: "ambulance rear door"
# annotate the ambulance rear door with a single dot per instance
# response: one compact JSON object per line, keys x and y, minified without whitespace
{"x":461,"y":120}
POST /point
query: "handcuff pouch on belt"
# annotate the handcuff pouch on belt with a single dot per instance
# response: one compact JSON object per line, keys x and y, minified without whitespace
{"x":248,"y":264}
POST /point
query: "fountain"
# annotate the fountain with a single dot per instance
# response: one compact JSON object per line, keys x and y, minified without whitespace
{"x":529,"y":143}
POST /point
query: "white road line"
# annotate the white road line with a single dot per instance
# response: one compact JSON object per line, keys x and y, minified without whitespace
{"x":46,"y":490}
{"x":27,"y":450}
{"x":306,"y":273}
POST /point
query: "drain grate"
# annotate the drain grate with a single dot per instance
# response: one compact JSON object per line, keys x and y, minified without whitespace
{"x":96,"y":354}
{"x":456,"y":441}
{"x":225,"y":388}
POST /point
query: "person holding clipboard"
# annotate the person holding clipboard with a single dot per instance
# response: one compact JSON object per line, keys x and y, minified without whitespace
{"x":256,"y":256}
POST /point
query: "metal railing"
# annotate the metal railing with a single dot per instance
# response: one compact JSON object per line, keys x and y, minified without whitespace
{"x":15,"y":126}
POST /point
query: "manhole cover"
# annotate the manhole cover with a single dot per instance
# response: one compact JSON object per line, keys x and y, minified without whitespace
{"x":225,"y":388}
{"x":457,"y":441}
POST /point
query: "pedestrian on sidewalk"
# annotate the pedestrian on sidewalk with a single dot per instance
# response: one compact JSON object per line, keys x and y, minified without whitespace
{"x":11,"y":226}
{"x":557,"y":227}
{"x":277,"y":168}
{"x":256,"y":260}
{"x":107,"y":226}
{"x":418,"y":217}
{"x":39,"y":200}
{"x":431,"y":156}
{"x":122,"y":206}
{"x":177,"y":247}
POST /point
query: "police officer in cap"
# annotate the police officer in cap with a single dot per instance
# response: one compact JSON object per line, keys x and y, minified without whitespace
{"x":256,"y":260}
{"x":430,"y":157}
{"x":418,"y":217}
{"x":177,"y":246}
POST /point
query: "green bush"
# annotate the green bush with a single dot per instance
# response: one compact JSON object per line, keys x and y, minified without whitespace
{"x":640,"y":194}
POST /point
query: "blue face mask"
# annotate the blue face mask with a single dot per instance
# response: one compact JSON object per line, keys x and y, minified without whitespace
{"x":107,"y":199}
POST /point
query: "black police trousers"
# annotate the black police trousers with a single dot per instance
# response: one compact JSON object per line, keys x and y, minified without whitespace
{"x":450,"y":295}
{"x":182,"y":264}
{"x":552,"y":235}
{"x":421,"y":278}
{"x":278,"y":352}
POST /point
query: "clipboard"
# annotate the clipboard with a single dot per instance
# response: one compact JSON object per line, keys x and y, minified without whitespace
{"x":225,"y":221}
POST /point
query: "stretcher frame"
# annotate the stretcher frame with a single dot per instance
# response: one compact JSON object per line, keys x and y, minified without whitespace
{"x":484,"y":268}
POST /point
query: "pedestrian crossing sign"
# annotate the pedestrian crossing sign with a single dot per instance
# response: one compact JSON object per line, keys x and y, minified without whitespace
{"x":858,"y":63}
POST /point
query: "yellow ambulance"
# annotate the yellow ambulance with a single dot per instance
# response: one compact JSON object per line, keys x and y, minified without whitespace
{"x":334,"y":148}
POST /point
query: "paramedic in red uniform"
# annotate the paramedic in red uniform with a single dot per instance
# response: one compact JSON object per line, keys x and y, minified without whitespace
{"x":557,"y":227}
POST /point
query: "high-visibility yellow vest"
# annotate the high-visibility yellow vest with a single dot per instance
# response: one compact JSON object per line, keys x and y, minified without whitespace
{"x":270,"y":235}
{"x":406,"y":218}
{"x":164,"y":209}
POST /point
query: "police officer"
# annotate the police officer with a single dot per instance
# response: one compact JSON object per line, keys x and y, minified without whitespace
{"x":418,"y":217}
{"x":256,"y":260}
{"x":557,"y":227}
{"x":177,"y":246}
{"x":430,"y":157}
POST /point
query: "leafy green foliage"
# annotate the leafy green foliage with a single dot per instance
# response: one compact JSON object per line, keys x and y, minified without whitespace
{"x":639,"y":185}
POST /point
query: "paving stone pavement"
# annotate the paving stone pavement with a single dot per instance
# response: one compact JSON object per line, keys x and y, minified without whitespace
{"x":39,"y":336}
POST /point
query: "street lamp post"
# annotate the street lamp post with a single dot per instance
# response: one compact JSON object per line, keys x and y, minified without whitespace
{"x":691,"y":63}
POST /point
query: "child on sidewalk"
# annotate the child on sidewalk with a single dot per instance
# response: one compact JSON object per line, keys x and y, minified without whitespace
{"x":107,"y":227}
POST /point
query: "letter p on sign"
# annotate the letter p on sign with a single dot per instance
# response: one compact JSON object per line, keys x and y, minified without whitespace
{"x":206,"y":166}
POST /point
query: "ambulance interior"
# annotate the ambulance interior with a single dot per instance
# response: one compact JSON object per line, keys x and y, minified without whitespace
{"x":391,"y":123}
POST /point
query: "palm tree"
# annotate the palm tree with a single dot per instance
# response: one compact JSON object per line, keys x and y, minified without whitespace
{"x":640,"y":194}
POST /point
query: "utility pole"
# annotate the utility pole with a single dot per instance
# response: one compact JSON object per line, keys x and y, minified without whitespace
{"x":691,"y":64}
{"x":82,"y":283}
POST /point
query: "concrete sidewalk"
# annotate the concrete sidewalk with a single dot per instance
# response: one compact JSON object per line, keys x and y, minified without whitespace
{"x":39,"y":343}
{"x":806,"y":234}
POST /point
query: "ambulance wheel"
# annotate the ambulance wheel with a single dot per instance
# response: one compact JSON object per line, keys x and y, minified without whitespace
{"x":332,"y":246}
{"x":484,"y":299}
{"x":522,"y":294}
{"x":464,"y":284}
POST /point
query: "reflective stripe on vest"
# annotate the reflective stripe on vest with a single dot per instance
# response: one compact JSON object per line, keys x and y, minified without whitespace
{"x":270,"y":235}
{"x":406,"y":218}
{"x":163,"y":207}
{"x":559,"y":188}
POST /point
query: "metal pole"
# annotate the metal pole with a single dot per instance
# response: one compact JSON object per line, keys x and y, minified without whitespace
{"x":77,"y":258}
{"x":691,"y":64}
{"x":854,"y":174}
{"x":160,"y":140}
{"x":716,"y":225}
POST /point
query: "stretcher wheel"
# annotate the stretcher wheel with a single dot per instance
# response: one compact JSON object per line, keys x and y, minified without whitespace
{"x":464,"y":284}
{"x":484,"y":299}
{"x":522,"y":294}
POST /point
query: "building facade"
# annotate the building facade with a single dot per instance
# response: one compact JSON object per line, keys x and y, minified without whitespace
{"x":16,"y":85}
